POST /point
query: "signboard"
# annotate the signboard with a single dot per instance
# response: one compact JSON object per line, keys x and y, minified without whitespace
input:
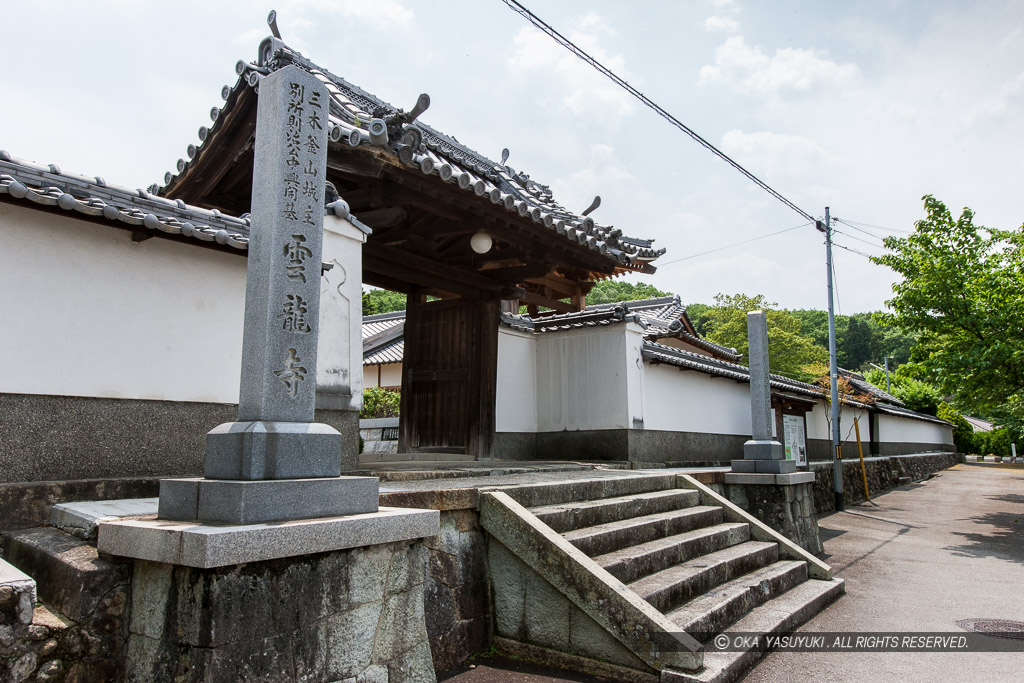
{"x":793,"y":439}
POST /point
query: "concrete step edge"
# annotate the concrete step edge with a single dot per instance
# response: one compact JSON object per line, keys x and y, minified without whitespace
{"x":563,"y":517}
{"x":625,"y":564}
{"x":670,"y":587}
{"x":604,"y":538}
{"x":553,"y":493}
{"x":783,"y":614}
{"x":710,"y":612}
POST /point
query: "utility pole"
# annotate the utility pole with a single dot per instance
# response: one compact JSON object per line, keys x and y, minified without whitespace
{"x":886,"y":361}
{"x":837,"y":463}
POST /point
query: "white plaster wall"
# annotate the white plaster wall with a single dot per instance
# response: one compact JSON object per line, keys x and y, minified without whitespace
{"x":390,"y":375}
{"x":689,"y":401}
{"x":88,"y":312}
{"x":582,"y":379}
{"x":339,"y":381}
{"x":516,"y":400}
{"x":893,"y":429}
{"x":817,"y":423}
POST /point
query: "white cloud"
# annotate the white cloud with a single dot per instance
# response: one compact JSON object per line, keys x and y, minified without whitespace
{"x":586,"y":91}
{"x":1007,"y":98}
{"x":717,"y":22}
{"x":605,"y":170}
{"x":748,"y":69}
{"x":774,"y":154}
{"x":379,"y":13}
{"x":724,"y":19}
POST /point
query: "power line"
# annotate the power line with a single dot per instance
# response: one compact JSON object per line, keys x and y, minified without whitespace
{"x":569,"y":45}
{"x":851,"y":249}
{"x":877,"y":227}
{"x":730,"y":246}
{"x":862,"y":230}
{"x":859,"y":239}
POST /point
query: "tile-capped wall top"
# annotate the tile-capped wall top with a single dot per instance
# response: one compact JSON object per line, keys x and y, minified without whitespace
{"x":48,"y":186}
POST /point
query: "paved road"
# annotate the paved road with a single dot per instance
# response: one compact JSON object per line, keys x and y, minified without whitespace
{"x":920,"y":558}
{"x":917,"y":558}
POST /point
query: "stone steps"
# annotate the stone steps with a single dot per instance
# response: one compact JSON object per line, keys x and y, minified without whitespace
{"x":714,"y":611}
{"x":553,"y":493}
{"x":782,"y":614}
{"x":676,"y":546}
{"x":635,"y":562}
{"x":606,"y":538}
{"x":564,"y":517}
{"x":671,"y":587}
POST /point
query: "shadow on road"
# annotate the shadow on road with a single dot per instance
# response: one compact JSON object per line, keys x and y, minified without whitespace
{"x":1004,"y":542}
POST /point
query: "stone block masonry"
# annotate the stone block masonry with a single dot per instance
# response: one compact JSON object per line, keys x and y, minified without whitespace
{"x":350,"y":615}
{"x":457,"y":591}
{"x":79,"y":634}
{"x":883,"y":473}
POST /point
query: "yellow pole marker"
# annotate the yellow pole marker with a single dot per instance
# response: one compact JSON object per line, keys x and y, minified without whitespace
{"x":860,"y":449}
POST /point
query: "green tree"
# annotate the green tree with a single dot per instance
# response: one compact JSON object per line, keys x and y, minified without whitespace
{"x":859,"y":345}
{"x":963,"y":291}
{"x":382,"y":301}
{"x":698,"y":315}
{"x":611,"y":291}
{"x":906,"y":385}
{"x":790,"y":353}
{"x":814,"y":324}
{"x":963,"y":432}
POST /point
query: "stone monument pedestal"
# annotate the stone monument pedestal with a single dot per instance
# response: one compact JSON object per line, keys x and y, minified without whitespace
{"x":336,"y":598}
{"x":785,"y":502}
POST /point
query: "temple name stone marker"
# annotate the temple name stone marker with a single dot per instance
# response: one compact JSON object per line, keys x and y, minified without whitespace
{"x":275,"y":463}
{"x":762,"y":454}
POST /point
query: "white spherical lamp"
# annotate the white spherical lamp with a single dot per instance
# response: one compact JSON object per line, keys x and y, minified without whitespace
{"x":481,"y":242}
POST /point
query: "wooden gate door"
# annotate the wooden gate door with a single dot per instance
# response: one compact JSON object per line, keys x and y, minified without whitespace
{"x":447,"y":377}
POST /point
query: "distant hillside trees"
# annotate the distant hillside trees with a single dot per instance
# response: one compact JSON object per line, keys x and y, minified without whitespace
{"x":610,"y":291}
{"x":790,"y":353}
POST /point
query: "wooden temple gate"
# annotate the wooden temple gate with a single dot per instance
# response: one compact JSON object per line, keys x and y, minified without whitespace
{"x":462,"y":236}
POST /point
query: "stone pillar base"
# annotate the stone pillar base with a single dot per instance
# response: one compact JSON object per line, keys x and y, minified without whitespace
{"x":272,"y":450}
{"x":763,"y":450}
{"x":221,"y":501}
{"x":764,"y":466}
{"x":785,"y":502}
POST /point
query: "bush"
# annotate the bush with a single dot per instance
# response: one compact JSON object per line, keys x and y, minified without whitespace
{"x":378,"y":402}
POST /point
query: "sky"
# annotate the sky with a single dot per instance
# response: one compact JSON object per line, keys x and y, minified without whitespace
{"x":863,"y":107}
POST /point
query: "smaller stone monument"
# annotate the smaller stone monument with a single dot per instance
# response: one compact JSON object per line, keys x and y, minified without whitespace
{"x":762,"y":454}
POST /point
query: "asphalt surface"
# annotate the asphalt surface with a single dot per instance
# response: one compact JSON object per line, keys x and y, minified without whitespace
{"x":916,"y":559}
{"x":920,"y":558}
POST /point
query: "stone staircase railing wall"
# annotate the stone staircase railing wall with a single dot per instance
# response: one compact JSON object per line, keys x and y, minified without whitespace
{"x":629,"y":577}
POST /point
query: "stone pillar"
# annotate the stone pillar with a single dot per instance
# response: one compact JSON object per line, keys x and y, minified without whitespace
{"x":337,"y":591}
{"x":764,"y":483}
{"x":275,"y":463}
{"x":762,"y":454}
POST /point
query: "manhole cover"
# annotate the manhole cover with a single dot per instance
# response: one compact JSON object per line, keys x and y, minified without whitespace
{"x":1000,"y":628}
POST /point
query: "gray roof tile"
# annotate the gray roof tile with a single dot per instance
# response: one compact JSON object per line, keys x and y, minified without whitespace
{"x":417,"y":145}
{"x":48,"y":186}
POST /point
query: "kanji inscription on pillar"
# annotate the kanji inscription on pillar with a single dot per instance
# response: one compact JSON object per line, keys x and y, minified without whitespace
{"x":285,"y":249}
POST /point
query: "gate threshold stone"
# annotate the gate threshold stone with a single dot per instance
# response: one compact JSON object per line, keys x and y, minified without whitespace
{"x":208,"y":545}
